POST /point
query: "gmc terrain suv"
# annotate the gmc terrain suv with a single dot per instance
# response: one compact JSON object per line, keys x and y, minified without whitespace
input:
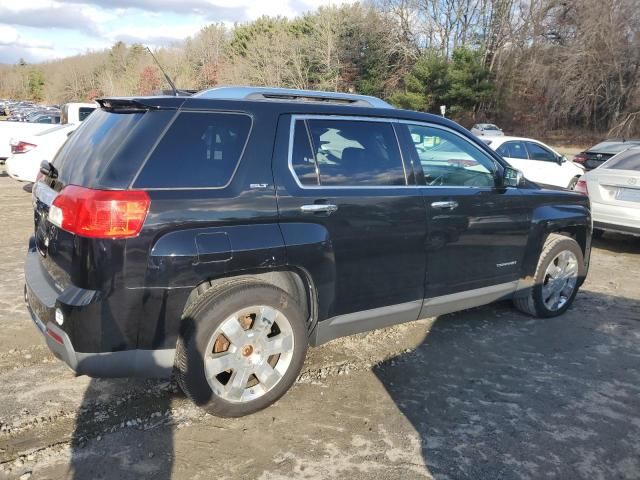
{"x":221,"y":234}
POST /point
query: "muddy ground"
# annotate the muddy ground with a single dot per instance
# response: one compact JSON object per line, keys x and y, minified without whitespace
{"x":484,"y":394}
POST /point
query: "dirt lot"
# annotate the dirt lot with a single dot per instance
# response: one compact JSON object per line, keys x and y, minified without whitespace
{"x":483,"y":394}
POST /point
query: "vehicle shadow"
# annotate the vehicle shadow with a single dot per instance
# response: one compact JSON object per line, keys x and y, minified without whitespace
{"x":124,"y":429}
{"x":27,"y":187}
{"x":493,"y":393}
{"x":617,"y":243}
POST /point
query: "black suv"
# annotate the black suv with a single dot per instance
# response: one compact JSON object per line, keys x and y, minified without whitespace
{"x":222,"y":233}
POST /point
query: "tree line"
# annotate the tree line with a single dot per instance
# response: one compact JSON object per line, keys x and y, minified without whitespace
{"x":534,"y":65}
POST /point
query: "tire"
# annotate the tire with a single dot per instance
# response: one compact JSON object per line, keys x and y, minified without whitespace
{"x":573,"y":183}
{"x":597,"y":233}
{"x":538,"y":303}
{"x":242,"y":322}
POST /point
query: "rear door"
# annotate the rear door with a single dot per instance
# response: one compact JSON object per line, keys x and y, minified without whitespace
{"x":476,"y":233}
{"x":347,"y":176}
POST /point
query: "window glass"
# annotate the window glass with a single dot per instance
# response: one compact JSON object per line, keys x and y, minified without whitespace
{"x":449,"y":160}
{"x":629,"y":160}
{"x":198,"y":150}
{"x":611,"y":146}
{"x":84,"y":112}
{"x":356,"y":153}
{"x":537,"y":152}
{"x":513,"y":150}
{"x":302,"y":159}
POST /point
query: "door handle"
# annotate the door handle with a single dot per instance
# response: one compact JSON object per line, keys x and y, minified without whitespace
{"x":319,"y":208}
{"x":449,"y":205}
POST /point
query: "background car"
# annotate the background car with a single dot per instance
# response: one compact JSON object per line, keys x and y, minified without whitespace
{"x":603,"y":151}
{"x":28,"y":152}
{"x":614,"y":191}
{"x":486,"y":129}
{"x":538,"y":162}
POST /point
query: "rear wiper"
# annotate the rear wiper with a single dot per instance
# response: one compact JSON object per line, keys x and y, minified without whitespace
{"x":47,"y":169}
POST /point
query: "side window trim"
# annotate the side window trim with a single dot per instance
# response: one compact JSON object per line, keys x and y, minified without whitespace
{"x":304,"y":117}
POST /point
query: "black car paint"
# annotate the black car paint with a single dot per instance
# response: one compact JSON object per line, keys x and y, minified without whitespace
{"x":383,"y":246}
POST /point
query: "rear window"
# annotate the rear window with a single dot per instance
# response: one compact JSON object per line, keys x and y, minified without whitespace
{"x":84,"y":112}
{"x":108,"y":148}
{"x":200,"y":149}
{"x":610,"y":147}
{"x":629,"y":160}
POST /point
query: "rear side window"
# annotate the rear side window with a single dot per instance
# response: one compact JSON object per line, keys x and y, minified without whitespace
{"x":347,"y":153}
{"x":200,"y":149}
{"x":629,"y":160}
{"x":513,"y":150}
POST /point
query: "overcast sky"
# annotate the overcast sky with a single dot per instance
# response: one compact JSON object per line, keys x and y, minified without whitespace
{"x":38,"y":30}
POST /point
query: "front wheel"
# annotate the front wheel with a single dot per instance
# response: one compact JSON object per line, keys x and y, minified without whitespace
{"x":573,"y":183}
{"x":557,"y":279}
{"x":240,"y":348}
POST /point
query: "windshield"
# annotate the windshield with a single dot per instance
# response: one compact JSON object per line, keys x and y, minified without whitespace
{"x":490,"y":126}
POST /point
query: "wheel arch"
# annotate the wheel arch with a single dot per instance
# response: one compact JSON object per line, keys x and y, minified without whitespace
{"x":573,"y":220}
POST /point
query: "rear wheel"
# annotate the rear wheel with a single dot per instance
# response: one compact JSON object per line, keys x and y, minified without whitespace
{"x":557,"y":278}
{"x":240,"y":348}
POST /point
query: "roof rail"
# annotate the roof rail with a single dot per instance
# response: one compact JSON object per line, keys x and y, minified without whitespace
{"x":290,"y":94}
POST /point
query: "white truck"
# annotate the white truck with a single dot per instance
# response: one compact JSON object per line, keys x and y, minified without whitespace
{"x":69,"y":113}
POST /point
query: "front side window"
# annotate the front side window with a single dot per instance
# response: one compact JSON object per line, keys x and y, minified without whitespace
{"x":346,"y":153}
{"x":449,"y":160}
{"x":538,"y":152}
{"x":200,"y":149}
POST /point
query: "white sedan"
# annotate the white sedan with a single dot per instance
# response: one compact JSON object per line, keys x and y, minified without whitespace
{"x":28,"y":152}
{"x":486,"y":129}
{"x":538,"y":162}
{"x":614,"y":191}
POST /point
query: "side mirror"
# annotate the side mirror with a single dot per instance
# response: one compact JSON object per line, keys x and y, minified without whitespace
{"x":511,"y":177}
{"x":561,"y":159}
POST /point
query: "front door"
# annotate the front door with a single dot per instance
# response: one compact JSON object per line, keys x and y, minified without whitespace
{"x":345,"y":179}
{"x":476,"y":233}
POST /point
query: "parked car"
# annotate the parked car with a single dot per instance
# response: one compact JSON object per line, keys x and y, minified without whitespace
{"x":291,"y":218}
{"x":538,"y":162}
{"x":614,"y":191}
{"x":70,"y":113}
{"x":27,"y":153}
{"x":488,"y":129}
{"x":603,"y":151}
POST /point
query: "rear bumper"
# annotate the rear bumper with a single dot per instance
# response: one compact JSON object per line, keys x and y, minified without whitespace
{"x":43,"y":300}
{"x":619,"y":218}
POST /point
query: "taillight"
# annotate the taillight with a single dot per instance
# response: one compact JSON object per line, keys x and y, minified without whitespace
{"x":22,"y":147}
{"x":100,"y":213}
{"x":581,"y":187}
{"x":580,"y":158}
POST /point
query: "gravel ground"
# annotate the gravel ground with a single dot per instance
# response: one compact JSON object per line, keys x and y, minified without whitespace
{"x":483,"y":394}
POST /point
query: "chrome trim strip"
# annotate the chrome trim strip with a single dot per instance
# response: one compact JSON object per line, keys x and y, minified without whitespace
{"x":392,"y":121}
